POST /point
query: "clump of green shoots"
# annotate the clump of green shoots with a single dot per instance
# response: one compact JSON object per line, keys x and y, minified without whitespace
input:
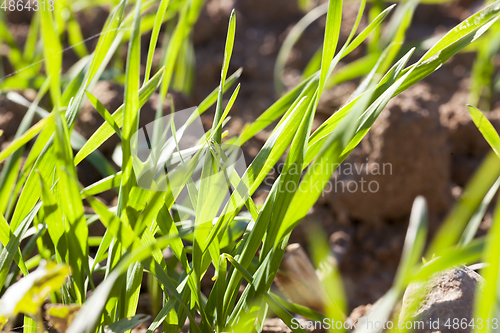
{"x":42,"y":202}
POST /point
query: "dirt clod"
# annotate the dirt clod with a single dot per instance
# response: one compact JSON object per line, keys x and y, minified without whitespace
{"x":449,"y":297}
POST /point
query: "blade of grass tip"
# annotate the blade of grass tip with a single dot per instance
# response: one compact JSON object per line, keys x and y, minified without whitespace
{"x":290,"y":40}
{"x":348,"y":46}
{"x":75,"y":36}
{"x":486,"y":128}
{"x":364,"y":34}
{"x":104,"y":113}
{"x":181,"y":32}
{"x":160,"y":14}
{"x":455,"y":40}
{"x":131,"y":112}
{"x":332,"y":33}
{"x":105,"y":131}
{"x":29,"y":53}
{"x":397,"y":27}
{"x":228,"y":51}
{"x":414,"y":243}
{"x":107,"y":44}
{"x":52,"y":51}
{"x":105,"y":184}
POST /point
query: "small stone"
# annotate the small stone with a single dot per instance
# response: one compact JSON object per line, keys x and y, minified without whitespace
{"x":448,"y":296}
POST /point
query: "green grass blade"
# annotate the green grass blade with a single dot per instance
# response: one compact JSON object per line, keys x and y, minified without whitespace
{"x":25,"y":138}
{"x":105,"y":131}
{"x":160,"y":14}
{"x":476,"y":219}
{"x":414,"y":243}
{"x":104,"y":113}
{"x":52,"y":51}
{"x":486,"y":128}
{"x":131,"y":109}
{"x":290,"y":40}
{"x":332,"y":33}
{"x":228,"y":51}
{"x":72,"y":207}
{"x":486,"y":305}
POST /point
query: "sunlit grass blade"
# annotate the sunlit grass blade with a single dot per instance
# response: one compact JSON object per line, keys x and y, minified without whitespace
{"x":476,"y":219}
{"x":160,"y":14}
{"x":332,"y":33}
{"x":290,"y":40}
{"x":486,"y":128}
{"x":104,"y":113}
{"x":105,"y":130}
{"x":25,"y":138}
{"x":455,"y":40}
{"x":52,"y":51}
{"x":72,"y":207}
{"x":414,"y":243}
{"x":228,"y":50}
